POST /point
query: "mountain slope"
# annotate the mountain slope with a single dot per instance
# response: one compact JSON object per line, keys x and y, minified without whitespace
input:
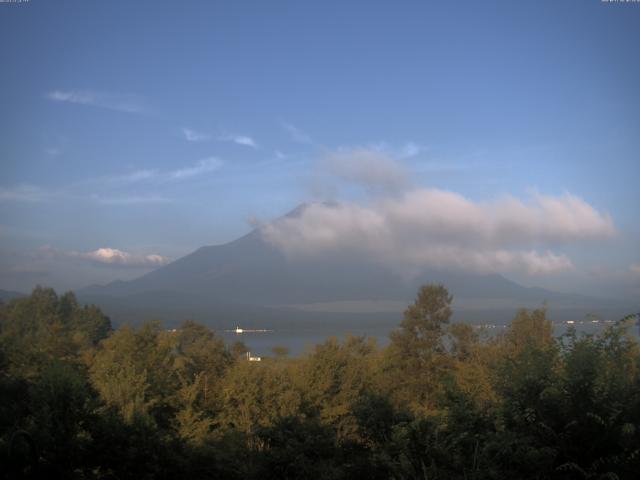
{"x":6,"y":295}
{"x":249,"y":270}
{"x":248,"y":275}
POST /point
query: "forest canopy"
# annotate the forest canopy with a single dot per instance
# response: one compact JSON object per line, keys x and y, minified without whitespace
{"x":441,"y":401}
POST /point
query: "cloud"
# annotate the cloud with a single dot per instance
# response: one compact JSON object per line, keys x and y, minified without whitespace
{"x":247,"y":141}
{"x":113,"y":256}
{"x":370,"y":169}
{"x":243,"y":140}
{"x":52,"y":151}
{"x":130,"y":199}
{"x":202,"y":167}
{"x":24,"y":193}
{"x":635,"y":268}
{"x":106,"y":256}
{"x":194,"y":136}
{"x":137,"y":176}
{"x":435,"y":228}
{"x":411,"y":149}
{"x":112,"y":190}
{"x":296,"y":134}
{"x":112,"y":101}
{"x":405,"y":151}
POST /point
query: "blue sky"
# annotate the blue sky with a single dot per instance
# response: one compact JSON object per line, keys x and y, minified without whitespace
{"x":152,"y":128}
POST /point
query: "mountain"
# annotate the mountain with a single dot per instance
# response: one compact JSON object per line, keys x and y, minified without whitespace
{"x":250,"y":278}
{"x":6,"y":295}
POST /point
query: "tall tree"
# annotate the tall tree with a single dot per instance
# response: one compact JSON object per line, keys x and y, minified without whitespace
{"x":416,"y":357}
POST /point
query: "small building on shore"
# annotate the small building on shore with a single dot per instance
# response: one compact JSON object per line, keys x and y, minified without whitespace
{"x":253,"y":359}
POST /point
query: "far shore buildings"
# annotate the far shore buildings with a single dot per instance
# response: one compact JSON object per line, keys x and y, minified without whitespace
{"x":253,"y":359}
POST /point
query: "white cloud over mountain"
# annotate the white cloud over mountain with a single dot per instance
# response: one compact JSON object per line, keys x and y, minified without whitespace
{"x":428,"y":227}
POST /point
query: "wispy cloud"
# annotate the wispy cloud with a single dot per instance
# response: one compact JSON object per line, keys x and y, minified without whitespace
{"x":635,"y":268}
{"x":407,"y":150}
{"x":127,"y":103}
{"x":247,"y":141}
{"x":243,"y":140}
{"x":296,"y":134}
{"x":52,"y":152}
{"x":23,"y":193}
{"x":130,"y":199}
{"x":202,"y":167}
{"x":113,"y":190}
{"x":411,"y":149}
{"x":195,"y":136}
{"x":191,"y":135}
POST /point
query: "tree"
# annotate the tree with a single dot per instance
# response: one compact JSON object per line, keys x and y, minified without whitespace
{"x":193,"y":425}
{"x":332,"y":379}
{"x":416,"y":359}
{"x":42,"y":328}
{"x":134,"y":371}
{"x":529,"y":329}
{"x":201,"y":358}
{"x":257,"y":394}
{"x":61,"y":407}
{"x":293,"y":448}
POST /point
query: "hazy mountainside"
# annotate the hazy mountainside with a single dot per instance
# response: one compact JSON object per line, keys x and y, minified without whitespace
{"x":249,"y":273}
{"x":249,"y":270}
{"x":6,"y":295}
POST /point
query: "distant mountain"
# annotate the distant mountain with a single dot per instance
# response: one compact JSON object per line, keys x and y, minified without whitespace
{"x":6,"y":295}
{"x":251,"y":275}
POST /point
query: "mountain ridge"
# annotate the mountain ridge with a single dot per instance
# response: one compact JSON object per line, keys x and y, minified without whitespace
{"x":250,"y":271}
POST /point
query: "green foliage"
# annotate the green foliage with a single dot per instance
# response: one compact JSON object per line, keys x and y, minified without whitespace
{"x":333,"y":377}
{"x":60,"y":405}
{"x":42,"y":327}
{"x":293,"y":448}
{"x":193,"y":424}
{"x":439,"y":402}
{"x":416,"y":359}
{"x":529,"y":329}
{"x":120,"y":371}
{"x":257,"y":395}
{"x":200,"y":351}
{"x":422,"y":329}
